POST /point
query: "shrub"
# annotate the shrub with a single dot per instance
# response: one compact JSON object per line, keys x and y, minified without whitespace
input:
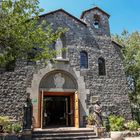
{"x":8,"y":128}
{"x":116,"y":123}
{"x":4,"y":120}
{"x":90,"y":119}
{"x":17,"y":127}
{"x":132,"y":125}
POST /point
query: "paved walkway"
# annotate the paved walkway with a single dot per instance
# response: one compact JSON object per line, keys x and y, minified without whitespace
{"x":130,"y":138}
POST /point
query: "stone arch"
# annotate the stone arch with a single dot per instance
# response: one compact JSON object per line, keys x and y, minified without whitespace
{"x":65,"y":81}
{"x":66,"y":68}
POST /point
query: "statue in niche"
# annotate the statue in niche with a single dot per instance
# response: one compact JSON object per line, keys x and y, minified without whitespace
{"x":59,"y":80}
{"x":59,"y":47}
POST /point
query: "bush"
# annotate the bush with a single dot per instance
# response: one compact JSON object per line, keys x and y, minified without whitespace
{"x":116,"y":123}
{"x":17,"y":127}
{"x":90,"y":119}
{"x":8,"y":128}
{"x":4,"y":120}
{"x":132,"y":125}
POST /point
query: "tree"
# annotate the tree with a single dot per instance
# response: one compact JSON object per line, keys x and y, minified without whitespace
{"x":131,"y":55}
{"x":21,"y":31}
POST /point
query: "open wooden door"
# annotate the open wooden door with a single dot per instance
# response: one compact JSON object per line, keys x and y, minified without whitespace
{"x":42,"y":104}
{"x":76,"y":110}
{"x":67,"y":116}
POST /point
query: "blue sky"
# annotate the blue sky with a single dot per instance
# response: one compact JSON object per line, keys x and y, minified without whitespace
{"x":125,"y":14}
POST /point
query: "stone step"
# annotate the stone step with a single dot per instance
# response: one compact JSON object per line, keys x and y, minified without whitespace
{"x":61,"y":131}
{"x":67,"y":138}
{"x":64,"y":134}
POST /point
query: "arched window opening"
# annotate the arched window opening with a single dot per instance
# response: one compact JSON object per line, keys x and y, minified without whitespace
{"x":96,"y":21}
{"x":83,"y":60}
{"x":101,"y":65}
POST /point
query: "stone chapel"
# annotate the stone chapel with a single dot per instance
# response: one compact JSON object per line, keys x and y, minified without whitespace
{"x":63,"y":91}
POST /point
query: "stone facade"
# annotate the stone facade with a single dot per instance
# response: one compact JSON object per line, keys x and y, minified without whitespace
{"x":82,"y":36}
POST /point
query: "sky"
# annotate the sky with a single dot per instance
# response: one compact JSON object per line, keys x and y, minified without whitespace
{"x":125,"y":14}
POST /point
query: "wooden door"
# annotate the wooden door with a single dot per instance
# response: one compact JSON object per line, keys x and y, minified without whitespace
{"x":76,"y":110}
{"x":67,"y":116}
{"x":72,"y":110}
{"x":42,"y":104}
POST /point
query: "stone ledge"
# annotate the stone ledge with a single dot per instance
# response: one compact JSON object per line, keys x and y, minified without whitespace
{"x":62,"y":60}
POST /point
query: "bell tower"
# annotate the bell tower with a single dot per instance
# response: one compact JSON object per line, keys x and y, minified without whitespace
{"x":98,"y":20}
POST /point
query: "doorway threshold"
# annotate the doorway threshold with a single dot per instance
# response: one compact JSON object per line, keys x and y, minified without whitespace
{"x":61,"y":129}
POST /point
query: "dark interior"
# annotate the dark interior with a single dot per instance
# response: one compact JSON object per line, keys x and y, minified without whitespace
{"x":54,"y":110}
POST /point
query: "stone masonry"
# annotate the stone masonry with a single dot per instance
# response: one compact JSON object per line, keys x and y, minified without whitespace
{"x":81,"y":36}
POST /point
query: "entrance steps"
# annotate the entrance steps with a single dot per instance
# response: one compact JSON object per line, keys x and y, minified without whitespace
{"x":64,"y":134}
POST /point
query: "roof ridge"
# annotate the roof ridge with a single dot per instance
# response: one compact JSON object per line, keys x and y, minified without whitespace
{"x":94,"y":9}
{"x":51,"y":12}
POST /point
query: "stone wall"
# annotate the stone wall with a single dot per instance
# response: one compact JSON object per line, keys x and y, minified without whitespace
{"x":111,"y":88}
{"x":13,"y":86}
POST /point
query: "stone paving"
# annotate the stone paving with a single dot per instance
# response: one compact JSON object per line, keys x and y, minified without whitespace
{"x":127,"y":138}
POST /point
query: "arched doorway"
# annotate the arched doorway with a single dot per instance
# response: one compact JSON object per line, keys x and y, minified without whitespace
{"x":58,"y":100}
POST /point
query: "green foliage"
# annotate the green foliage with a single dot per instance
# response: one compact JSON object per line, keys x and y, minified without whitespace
{"x":8,"y":126}
{"x":21,"y":30}
{"x":116,"y":123}
{"x":131,"y":58}
{"x":17,"y":127}
{"x":132,"y":125}
{"x":90,"y":119}
{"x":4,"y":120}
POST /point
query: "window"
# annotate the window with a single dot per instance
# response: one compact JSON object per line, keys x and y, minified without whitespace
{"x":101,"y":65}
{"x":96,"y":21}
{"x":83,"y":60}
